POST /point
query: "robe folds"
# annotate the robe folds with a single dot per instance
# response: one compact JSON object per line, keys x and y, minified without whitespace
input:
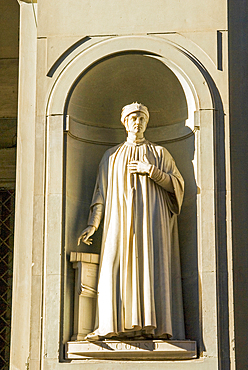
{"x":139,"y":286}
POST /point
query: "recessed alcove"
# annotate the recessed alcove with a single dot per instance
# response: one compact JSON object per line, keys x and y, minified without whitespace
{"x":93,"y":115}
{"x":109,"y":85}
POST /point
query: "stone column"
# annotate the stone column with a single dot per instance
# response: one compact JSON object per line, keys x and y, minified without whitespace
{"x":21,"y":301}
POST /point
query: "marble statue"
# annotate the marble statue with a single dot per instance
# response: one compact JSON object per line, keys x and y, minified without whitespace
{"x":139,"y":192}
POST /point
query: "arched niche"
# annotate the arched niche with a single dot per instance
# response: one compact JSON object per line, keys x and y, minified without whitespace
{"x":204,"y":285}
{"x":93,"y":125}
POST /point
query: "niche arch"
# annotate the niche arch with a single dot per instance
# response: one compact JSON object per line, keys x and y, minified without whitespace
{"x":200,"y":94}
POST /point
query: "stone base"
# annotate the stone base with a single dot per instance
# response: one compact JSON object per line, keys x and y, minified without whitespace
{"x":132,"y":350}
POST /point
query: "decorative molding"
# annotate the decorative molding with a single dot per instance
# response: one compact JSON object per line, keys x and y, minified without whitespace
{"x":180,"y":138}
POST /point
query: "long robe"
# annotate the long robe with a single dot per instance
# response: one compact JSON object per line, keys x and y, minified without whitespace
{"x":139,"y":287}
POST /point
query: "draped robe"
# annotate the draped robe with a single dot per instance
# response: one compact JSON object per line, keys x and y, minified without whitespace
{"x":139,"y":287}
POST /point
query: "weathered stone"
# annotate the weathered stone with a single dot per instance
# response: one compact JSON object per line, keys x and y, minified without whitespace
{"x":132,"y":350}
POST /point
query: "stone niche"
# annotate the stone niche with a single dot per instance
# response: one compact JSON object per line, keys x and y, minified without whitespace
{"x":93,"y":125}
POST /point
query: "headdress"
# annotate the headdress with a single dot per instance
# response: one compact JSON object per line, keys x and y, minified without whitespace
{"x":131,"y":108}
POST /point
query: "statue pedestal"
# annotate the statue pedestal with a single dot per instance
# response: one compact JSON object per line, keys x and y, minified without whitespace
{"x":86,"y":276}
{"x":132,"y":350}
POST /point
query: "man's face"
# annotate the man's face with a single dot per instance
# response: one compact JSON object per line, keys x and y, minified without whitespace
{"x":136,"y":122}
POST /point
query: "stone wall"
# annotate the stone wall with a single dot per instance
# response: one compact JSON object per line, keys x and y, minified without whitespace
{"x":62,"y":45}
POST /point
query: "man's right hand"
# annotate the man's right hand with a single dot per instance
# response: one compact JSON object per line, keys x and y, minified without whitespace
{"x":86,"y":234}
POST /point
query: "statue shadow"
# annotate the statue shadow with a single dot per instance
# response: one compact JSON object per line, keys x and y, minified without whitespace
{"x":183,"y":151}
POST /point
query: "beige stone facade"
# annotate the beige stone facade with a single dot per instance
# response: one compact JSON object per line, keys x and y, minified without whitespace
{"x":77,"y":65}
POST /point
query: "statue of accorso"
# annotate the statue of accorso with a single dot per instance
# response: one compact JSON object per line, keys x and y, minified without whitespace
{"x":139,"y":193}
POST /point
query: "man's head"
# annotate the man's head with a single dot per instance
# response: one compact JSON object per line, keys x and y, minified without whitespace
{"x":135,"y":117}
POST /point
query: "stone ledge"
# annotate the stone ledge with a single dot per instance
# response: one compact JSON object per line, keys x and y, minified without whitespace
{"x":132,"y":350}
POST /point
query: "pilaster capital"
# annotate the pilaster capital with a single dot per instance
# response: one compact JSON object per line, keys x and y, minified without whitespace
{"x":27,"y":1}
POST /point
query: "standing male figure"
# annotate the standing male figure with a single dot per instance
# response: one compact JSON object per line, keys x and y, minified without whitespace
{"x":139,"y":190}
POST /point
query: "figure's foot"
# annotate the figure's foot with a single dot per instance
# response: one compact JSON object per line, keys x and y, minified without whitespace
{"x":93,"y":337}
{"x":148,"y":336}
